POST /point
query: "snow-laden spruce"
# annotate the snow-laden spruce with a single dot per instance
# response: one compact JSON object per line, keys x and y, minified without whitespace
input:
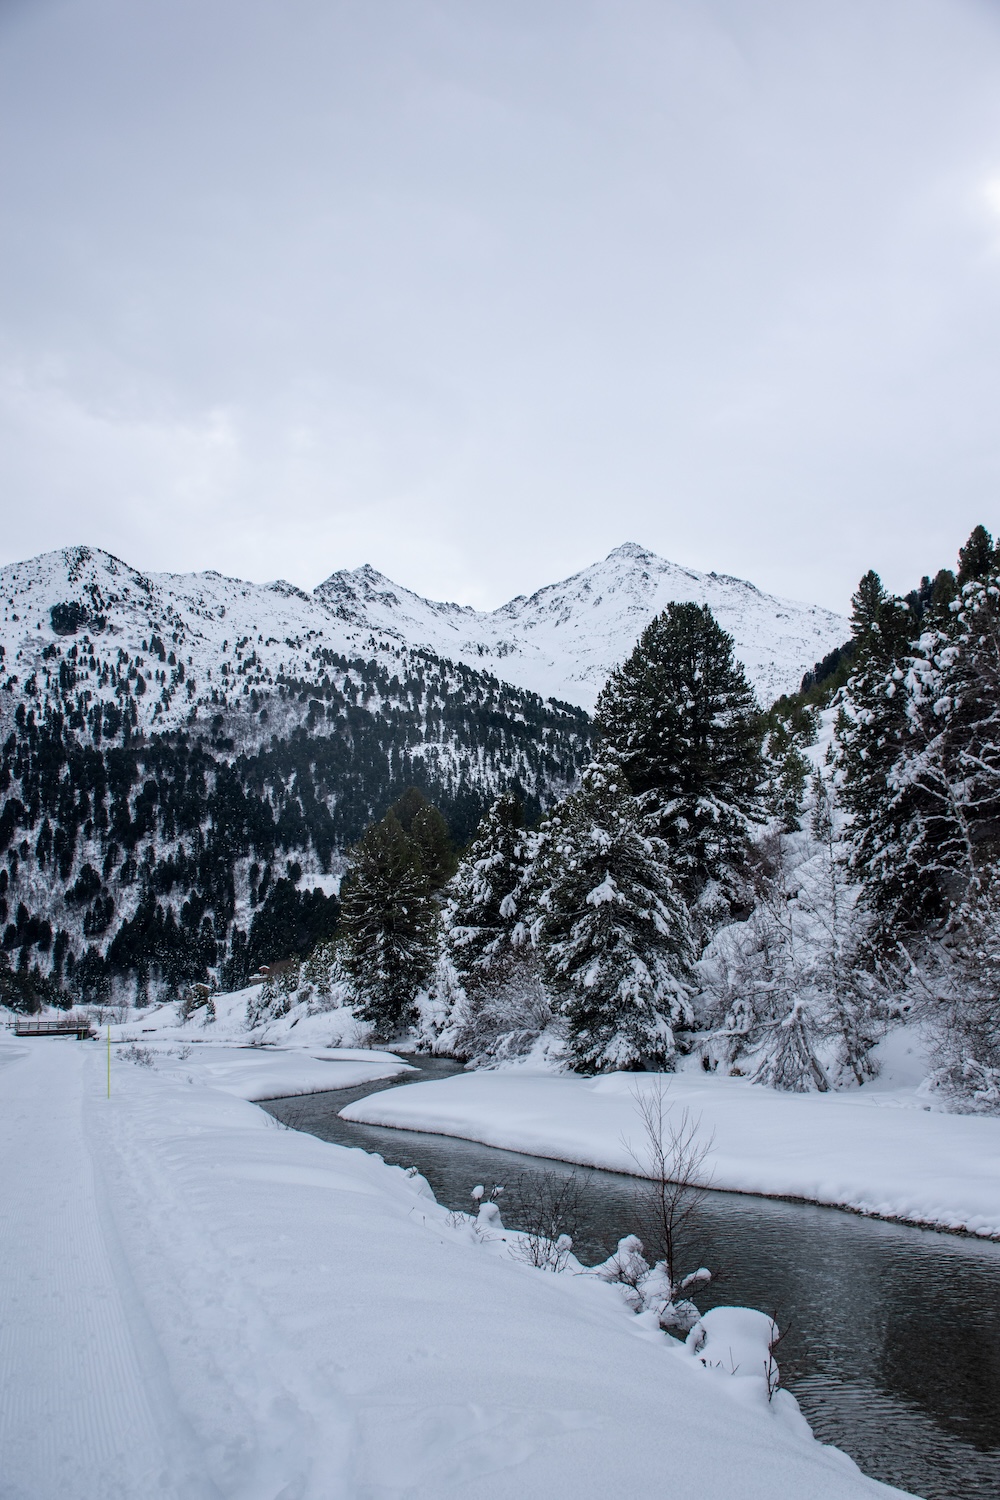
{"x":919,"y":755}
{"x":488,"y":1003}
{"x":613,"y":932}
{"x":389,"y":921}
{"x":681,"y":722}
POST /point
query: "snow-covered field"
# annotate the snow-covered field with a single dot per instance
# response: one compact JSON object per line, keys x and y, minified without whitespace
{"x":300,"y":1053}
{"x":877,"y":1150}
{"x":268,"y":1073}
{"x":196,"y":1303}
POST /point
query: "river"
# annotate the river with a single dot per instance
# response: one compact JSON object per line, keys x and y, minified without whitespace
{"x":892,"y":1334}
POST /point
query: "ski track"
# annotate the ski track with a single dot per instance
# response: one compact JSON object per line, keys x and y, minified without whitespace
{"x":260,"y":1426}
{"x":113,"y":1386}
{"x":76,"y":1417}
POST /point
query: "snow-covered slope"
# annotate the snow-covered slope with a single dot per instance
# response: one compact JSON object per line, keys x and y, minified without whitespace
{"x":565,"y":639}
{"x":195,"y":639}
{"x":200,"y":639}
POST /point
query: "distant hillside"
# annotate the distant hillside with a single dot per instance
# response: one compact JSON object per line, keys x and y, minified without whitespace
{"x":184,"y":761}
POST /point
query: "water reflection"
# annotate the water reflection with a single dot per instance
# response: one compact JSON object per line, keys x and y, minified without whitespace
{"x":893,"y":1334}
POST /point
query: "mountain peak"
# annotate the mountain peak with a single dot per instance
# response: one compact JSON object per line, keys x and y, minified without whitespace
{"x":565,"y":638}
{"x":632,"y":552}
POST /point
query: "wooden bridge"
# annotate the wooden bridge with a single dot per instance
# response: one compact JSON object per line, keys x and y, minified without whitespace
{"x":81,"y":1030}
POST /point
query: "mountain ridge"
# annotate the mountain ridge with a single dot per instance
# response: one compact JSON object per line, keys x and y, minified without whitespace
{"x":606,"y":605}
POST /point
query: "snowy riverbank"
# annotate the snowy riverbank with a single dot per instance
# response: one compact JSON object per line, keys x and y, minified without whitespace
{"x":197,"y":1303}
{"x":876,"y":1151}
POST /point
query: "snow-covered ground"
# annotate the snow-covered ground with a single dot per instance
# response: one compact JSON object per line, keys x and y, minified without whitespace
{"x":305,"y":1029}
{"x":199,"y":1303}
{"x":300,"y":1053}
{"x":268,"y":1073}
{"x":877,"y":1150}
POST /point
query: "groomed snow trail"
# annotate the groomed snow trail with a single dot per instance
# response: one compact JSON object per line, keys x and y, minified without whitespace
{"x":80,"y":1413}
{"x":198,"y":1303}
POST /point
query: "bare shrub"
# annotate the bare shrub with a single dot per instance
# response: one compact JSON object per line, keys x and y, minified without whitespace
{"x":550,"y":1208}
{"x":144,"y":1057}
{"x":670,"y":1159}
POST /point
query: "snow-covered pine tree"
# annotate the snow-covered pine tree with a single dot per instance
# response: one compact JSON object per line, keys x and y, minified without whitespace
{"x":498,"y":1005}
{"x":613,"y":933}
{"x":790,"y":727}
{"x":390,"y":924}
{"x":481,"y":913}
{"x":963,"y":976}
{"x":919,"y":749}
{"x":872,"y":729}
{"x":681,"y":722}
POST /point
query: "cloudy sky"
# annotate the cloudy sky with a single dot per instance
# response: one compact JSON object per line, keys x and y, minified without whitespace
{"x":475,"y":290}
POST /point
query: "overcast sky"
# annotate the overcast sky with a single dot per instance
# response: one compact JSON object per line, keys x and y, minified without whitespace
{"x":475,"y":290}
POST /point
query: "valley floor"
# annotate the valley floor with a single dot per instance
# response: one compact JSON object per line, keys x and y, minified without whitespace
{"x":196,"y":1303}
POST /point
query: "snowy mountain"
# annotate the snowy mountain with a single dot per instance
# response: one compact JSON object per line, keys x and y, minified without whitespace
{"x":184,"y":761}
{"x":564,"y":640}
{"x":174,"y":643}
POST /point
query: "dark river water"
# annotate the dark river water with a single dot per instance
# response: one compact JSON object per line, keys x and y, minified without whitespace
{"x":892,"y":1343}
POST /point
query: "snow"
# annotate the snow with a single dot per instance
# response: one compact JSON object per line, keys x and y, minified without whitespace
{"x":297,"y":1054}
{"x":197,"y":1303}
{"x":878,"y":1151}
{"x":229,"y":635}
{"x":270,"y":1073}
{"x":306,"y":1027}
{"x":564,"y":640}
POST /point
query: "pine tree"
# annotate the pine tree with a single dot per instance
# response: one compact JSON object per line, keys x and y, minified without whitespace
{"x":426,"y":826}
{"x":390,"y":926}
{"x":483,"y":916}
{"x":613,"y":933}
{"x":978,"y":559}
{"x":498,"y":1002}
{"x":681,"y":721}
{"x":919,"y":750}
{"x":872,"y":729}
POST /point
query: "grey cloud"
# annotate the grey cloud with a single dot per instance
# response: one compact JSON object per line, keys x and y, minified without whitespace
{"x":476,"y":291}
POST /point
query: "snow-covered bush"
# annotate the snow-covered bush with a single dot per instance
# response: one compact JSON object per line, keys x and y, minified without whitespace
{"x":502,"y":1017}
{"x":737,"y":1341}
{"x":550,"y":1208}
{"x":649,"y":1288}
{"x":143,"y":1057}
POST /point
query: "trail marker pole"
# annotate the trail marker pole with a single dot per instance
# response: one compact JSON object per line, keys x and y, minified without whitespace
{"x":109,"y":1059}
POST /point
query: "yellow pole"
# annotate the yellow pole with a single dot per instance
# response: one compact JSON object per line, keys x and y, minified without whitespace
{"x":109,"y":1059}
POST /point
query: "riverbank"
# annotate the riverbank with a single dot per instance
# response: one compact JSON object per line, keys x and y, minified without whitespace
{"x":874,"y":1152}
{"x":197,"y":1303}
